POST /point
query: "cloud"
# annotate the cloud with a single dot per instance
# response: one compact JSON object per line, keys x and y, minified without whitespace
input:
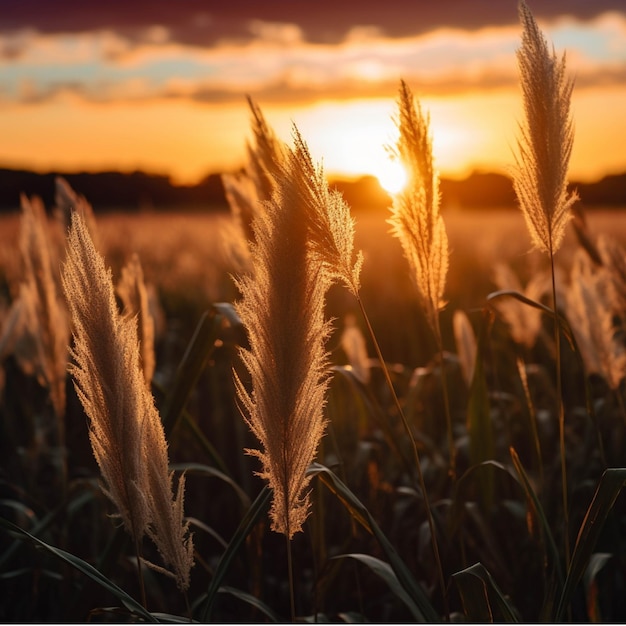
{"x":201,"y":23}
{"x":279,"y":65}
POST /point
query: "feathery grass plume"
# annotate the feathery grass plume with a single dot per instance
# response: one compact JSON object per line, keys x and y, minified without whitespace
{"x":66,"y":201}
{"x":282,"y":308}
{"x":45,"y":314}
{"x":546,"y":138}
{"x":524,"y":322}
{"x":247,"y":191}
{"x":540,"y":178}
{"x":613,"y":257}
{"x":353,"y":344}
{"x":465,"y":344}
{"x":331,"y":226}
{"x":591,"y":306}
{"x":167,"y":526}
{"x":132,"y":290}
{"x":125,"y":429}
{"x":417,"y":223}
{"x":415,"y":217}
{"x":107,"y":378}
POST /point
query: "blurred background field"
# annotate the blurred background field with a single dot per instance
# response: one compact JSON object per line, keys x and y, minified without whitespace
{"x":187,"y":257}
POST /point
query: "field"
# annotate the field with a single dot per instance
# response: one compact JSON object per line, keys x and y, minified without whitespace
{"x":273,"y":413}
{"x":350,"y":563}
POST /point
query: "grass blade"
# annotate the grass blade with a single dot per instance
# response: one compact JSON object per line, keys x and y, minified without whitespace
{"x":198,"y":351}
{"x":211,"y":472}
{"x":259,"y":507}
{"x":252,"y":601}
{"x":479,"y":425}
{"x":481,"y":595}
{"x":563,"y":323}
{"x":608,"y":489}
{"x":385,"y":571}
{"x":363,"y":516}
{"x":534,"y":500}
{"x":130,"y":603}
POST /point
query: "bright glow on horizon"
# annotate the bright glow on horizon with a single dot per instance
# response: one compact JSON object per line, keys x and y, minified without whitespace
{"x":189,"y":140}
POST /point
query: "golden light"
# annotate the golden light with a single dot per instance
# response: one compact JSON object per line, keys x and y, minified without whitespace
{"x":392,"y":176}
{"x":352,"y":139}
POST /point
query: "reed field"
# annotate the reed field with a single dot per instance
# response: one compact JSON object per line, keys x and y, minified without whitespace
{"x":293,"y":410}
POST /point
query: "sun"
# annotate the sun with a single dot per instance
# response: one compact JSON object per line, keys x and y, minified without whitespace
{"x":391,"y":176}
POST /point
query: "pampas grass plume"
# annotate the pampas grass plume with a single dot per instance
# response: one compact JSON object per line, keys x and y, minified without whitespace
{"x":282,"y":307}
{"x":45,"y":316}
{"x":546,"y":138}
{"x":415,"y":217}
{"x":131,"y":288}
{"x":125,"y":429}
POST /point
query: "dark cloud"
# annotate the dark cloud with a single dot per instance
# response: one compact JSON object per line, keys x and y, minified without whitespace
{"x":203,"y":22}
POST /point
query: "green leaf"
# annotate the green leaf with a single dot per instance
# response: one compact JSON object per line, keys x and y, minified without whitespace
{"x":198,"y":351}
{"x":553,"y":551}
{"x":130,"y":603}
{"x":481,"y":595}
{"x":365,"y":401}
{"x":563,"y":323}
{"x":252,"y":601}
{"x":363,"y":516}
{"x":596,"y":562}
{"x":603,"y":500}
{"x":463,"y":486}
{"x":479,"y":425}
{"x":384,"y":571}
{"x":258,"y":508}
{"x":211,"y":472}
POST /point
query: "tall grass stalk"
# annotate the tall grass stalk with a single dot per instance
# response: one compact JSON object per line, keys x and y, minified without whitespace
{"x":247,"y":191}
{"x":45,"y":316}
{"x":416,"y":221}
{"x":282,"y":307}
{"x":125,"y":429}
{"x":131,"y":288}
{"x":540,"y":177}
{"x":331,"y":232}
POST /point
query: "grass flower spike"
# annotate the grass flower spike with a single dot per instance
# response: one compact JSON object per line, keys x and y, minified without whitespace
{"x":540,"y":178}
{"x":592,"y":305}
{"x":415,"y":219}
{"x":247,"y":191}
{"x":546,"y":138}
{"x":106,"y":371}
{"x":331,"y":226}
{"x":283,"y":309}
{"x":42,"y":306}
{"x":125,"y":429}
{"x":132,"y":290}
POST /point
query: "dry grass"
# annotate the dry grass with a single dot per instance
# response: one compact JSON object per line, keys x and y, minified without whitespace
{"x":125,"y":431}
{"x":282,"y":309}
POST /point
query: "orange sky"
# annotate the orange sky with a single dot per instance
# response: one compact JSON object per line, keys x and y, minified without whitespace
{"x":98,"y":99}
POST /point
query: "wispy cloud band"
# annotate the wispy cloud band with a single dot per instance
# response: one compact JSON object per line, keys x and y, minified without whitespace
{"x":277,"y":63}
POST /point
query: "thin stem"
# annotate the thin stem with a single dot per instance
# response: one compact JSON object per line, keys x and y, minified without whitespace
{"x":560,"y":411}
{"x":620,"y":402}
{"x":422,"y":484}
{"x":446,"y":401}
{"x":188,"y":606}
{"x":292,"y":600}
{"x":142,"y":586}
{"x":532,"y":413}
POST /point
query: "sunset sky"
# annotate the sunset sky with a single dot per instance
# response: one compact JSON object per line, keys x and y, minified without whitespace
{"x":160,"y":85}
